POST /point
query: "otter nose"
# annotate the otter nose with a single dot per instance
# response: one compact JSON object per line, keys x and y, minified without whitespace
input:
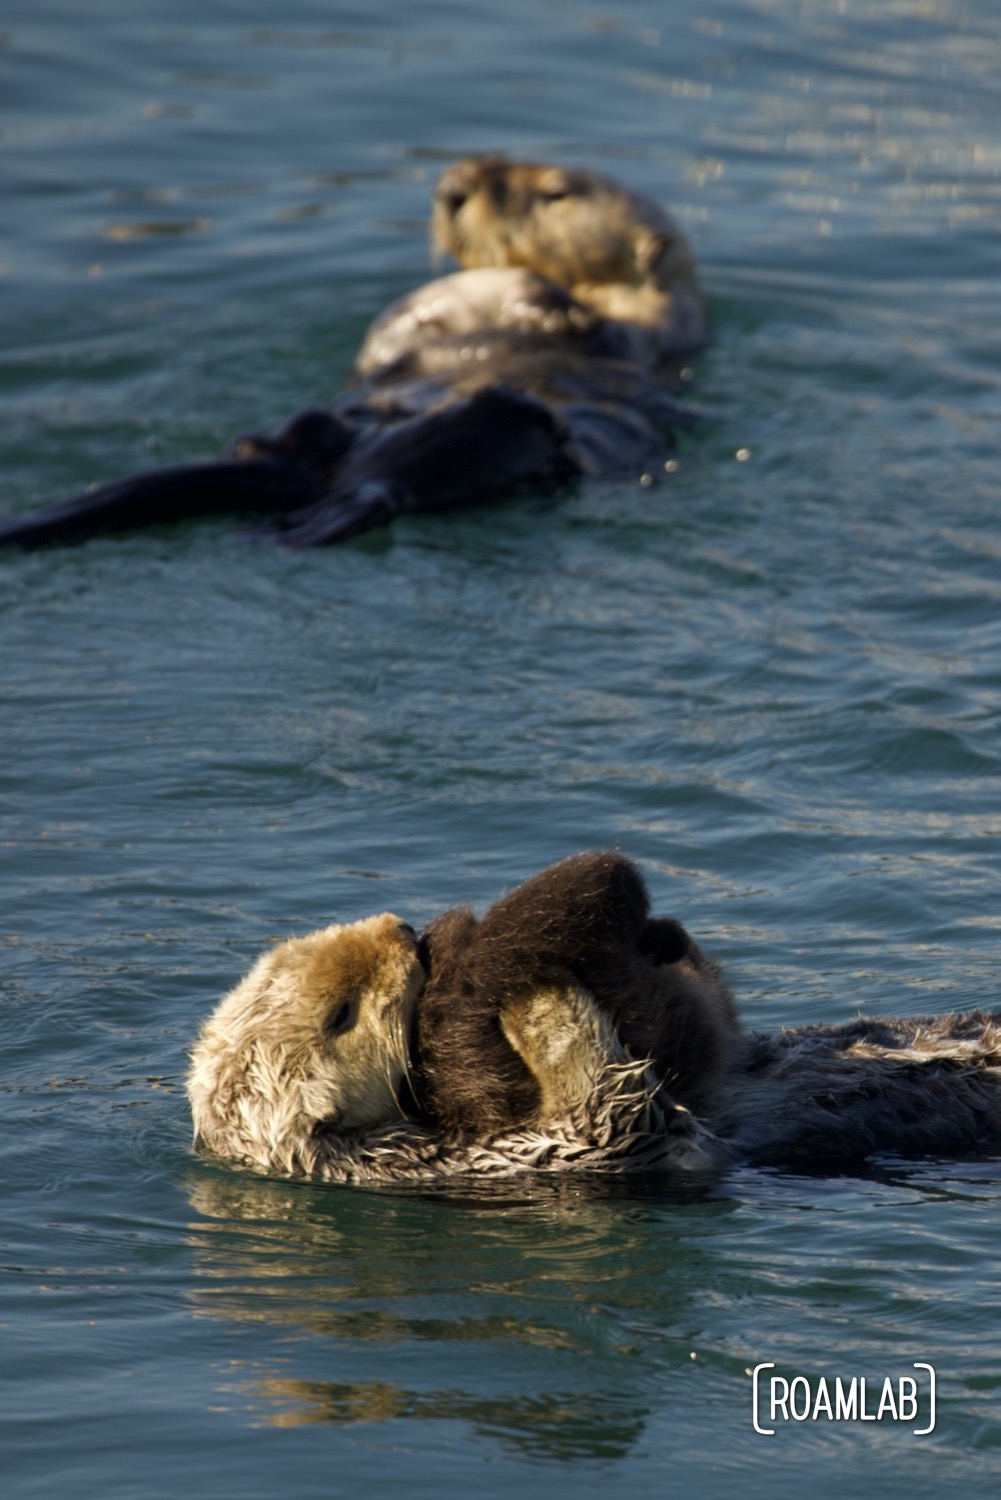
{"x":424,"y":952}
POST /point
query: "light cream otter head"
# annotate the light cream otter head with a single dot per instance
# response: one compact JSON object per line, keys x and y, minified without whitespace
{"x":614,"y":250}
{"x":316,"y":1035}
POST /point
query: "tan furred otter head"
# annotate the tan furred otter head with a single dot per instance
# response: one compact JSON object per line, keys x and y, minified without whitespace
{"x":614,"y":250}
{"x":317,"y":1034}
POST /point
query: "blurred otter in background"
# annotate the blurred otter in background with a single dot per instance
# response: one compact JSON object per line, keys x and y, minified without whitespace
{"x":550,"y":355}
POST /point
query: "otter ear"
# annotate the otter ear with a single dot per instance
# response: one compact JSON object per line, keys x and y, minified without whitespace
{"x":663,"y":940}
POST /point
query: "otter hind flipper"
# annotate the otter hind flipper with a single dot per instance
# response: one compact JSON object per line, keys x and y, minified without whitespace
{"x":337,"y":517}
{"x":489,"y":444}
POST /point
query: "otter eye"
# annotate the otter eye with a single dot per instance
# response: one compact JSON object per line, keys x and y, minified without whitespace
{"x":553,"y":188}
{"x":339,"y":1020}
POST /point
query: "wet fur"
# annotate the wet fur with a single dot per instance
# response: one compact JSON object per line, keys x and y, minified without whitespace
{"x":830,"y":1095}
{"x":596,"y":1109}
{"x":540,"y":1020}
{"x":315,"y":1037}
{"x":280,"y":1082}
{"x":586,"y":922}
{"x":617,"y":254}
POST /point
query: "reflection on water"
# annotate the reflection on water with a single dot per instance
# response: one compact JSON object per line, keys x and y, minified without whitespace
{"x":560,"y":1425}
{"x":560,"y":1287}
{"x":567,"y":1325}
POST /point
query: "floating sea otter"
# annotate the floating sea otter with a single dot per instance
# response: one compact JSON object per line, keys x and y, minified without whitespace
{"x":545,"y":358}
{"x":362,"y":1053}
{"x":567,"y":1030}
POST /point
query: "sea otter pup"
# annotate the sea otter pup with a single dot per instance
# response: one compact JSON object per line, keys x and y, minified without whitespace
{"x":531,"y":366}
{"x":583,"y":922}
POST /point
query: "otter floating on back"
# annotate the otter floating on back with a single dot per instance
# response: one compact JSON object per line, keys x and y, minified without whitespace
{"x":546,"y":357}
{"x":566,"y":1031}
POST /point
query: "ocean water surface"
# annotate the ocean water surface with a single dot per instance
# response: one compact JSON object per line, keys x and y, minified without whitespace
{"x":772,"y":678}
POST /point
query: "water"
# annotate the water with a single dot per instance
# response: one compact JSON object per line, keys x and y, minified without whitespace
{"x":773,"y":680}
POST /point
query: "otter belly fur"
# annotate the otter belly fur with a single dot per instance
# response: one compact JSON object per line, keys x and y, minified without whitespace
{"x":315,"y":1063}
{"x":546,"y":357}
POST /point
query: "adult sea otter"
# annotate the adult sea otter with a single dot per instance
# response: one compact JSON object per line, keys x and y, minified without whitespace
{"x":548,"y":356}
{"x":567,"y":1030}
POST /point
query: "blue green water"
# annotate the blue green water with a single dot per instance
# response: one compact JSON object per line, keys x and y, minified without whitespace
{"x":773,"y":680}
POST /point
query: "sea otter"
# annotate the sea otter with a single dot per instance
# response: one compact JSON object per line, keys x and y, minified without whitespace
{"x":306,"y":1067}
{"x":362,"y":1053}
{"x":545,"y":358}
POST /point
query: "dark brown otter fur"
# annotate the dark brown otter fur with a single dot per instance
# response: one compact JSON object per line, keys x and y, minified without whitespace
{"x":583,"y":922}
{"x":520,"y":373}
{"x":830,"y":1095}
{"x":826,"y":1095}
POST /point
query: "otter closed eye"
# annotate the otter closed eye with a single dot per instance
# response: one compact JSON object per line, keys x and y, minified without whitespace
{"x":340,"y":1020}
